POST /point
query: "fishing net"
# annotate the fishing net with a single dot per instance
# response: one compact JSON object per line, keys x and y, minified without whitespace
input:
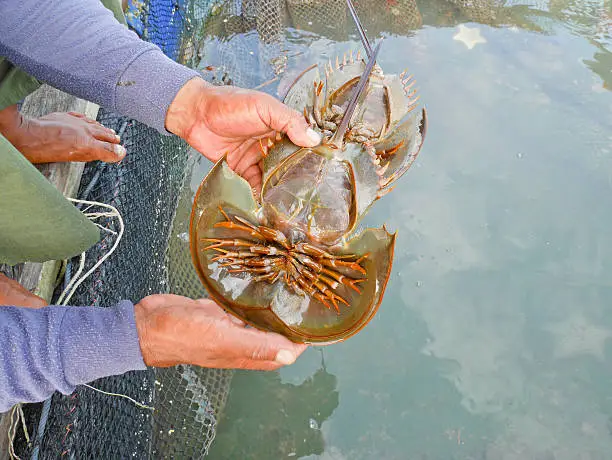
{"x":240,"y":42}
{"x":145,"y":188}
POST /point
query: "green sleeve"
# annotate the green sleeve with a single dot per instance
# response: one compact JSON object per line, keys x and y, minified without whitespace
{"x":37,"y":223}
{"x":15,"y":84}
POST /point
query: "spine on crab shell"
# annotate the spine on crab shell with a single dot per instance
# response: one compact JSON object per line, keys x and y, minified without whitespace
{"x":347,"y":58}
{"x":338,"y":137}
{"x":266,"y":143}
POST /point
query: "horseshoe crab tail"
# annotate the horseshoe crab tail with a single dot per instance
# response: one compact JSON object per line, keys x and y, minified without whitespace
{"x":338,"y":137}
{"x":364,"y":38}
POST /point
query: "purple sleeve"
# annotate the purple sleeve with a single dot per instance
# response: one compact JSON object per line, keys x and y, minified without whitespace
{"x":57,"y":348}
{"x":80,"y":48}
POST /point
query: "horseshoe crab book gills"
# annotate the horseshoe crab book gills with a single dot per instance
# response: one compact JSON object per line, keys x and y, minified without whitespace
{"x":492,"y":338}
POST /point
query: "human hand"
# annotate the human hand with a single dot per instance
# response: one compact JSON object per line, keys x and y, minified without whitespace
{"x":177,"y":330}
{"x":219,"y":120}
{"x":60,"y":137}
{"x":15,"y":295}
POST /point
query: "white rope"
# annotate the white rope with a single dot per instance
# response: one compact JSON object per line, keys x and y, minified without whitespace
{"x":142,"y":406}
{"x":12,"y":431}
{"x":76,"y":281}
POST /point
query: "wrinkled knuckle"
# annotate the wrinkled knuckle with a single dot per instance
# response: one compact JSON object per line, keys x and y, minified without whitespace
{"x":85,"y":142}
{"x":156,"y":300}
{"x":295,"y":122}
{"x":245,"y":364}
{"x":95,"y":131}
{"x":259,"y":353}
{"x":108,"y":146}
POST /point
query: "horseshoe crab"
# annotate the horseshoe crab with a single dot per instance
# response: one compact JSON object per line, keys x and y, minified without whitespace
{"x":289,"y":260}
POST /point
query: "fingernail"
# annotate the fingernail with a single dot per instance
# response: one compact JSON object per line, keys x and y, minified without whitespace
{"x":117,"y":137}
{"x":285,"y":357}
{"x":120,"y":150}
{"x":313,"y":136}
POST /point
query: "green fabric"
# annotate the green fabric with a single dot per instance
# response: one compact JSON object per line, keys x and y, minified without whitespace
{"x":15,"y":84}
{"x":115,"y":7}
{"x":37,"y":223}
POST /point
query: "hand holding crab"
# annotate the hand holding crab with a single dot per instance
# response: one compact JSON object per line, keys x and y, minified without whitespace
{"x":219,"y":120}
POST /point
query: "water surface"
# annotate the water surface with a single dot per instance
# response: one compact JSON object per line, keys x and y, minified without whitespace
{"x":492,"y":341}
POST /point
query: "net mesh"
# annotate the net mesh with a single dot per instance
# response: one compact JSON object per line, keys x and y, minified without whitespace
{"x":146,"y":188}
{"x":240,"y":42}
{"x":87,"y":423}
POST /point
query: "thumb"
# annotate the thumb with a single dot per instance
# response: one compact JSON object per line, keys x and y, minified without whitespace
{"x":284,"y":119}
{"x":264,"y":346}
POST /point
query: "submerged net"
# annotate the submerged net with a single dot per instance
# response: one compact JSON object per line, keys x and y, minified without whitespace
{"x":240,"y":42}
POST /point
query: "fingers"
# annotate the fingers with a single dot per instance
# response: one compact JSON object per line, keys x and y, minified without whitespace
{"x":178,"y":330}
{"x":245,"y":160}
{"x":284,"y":119}
{"x":251,"y":345}
{"x":104,"y":134}
{"x":103,"y":143}
{"x":78,"y":115}
{"x":253,"y":177}
{"x":14,"y":294}
{"x":103,"y":151}
{"x":72,"y":136}
{"x":83,"y":117}
{"x":251,"y":348}
{"x":242,"y":157}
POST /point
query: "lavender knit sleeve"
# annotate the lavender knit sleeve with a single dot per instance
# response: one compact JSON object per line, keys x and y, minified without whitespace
{"x":80,"y":48}
{"x":57,"y":348}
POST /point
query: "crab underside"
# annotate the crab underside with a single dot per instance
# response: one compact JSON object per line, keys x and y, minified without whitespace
{"x":290,"y":261}
{"x":309,"y":293}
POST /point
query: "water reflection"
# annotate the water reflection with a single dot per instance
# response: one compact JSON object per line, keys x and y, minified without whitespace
{"x":283,"y":420}
{"x":601,"y":64}
{"x":493,"y":341}
{"x":255,"y":31}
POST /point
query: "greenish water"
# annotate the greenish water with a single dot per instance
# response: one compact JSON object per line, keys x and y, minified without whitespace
{"x":492,"y":341}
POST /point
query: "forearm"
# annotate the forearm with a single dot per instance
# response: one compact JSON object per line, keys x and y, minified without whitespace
{"x":81,"y":49}
{"x":57,"y":348}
